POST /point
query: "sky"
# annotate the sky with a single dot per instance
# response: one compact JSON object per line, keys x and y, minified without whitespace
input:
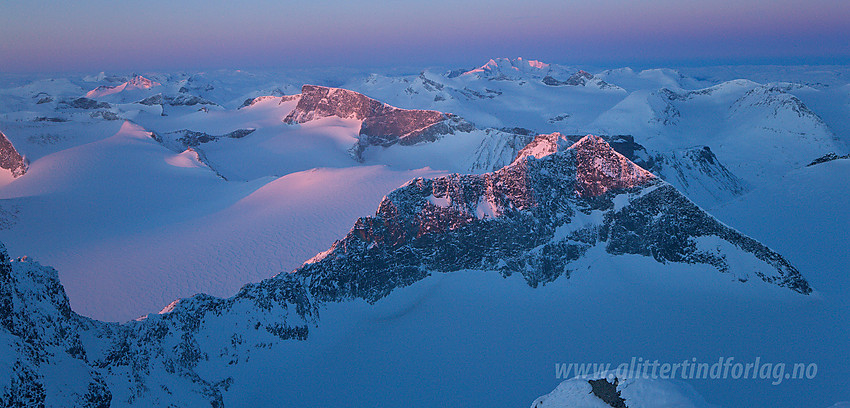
{"x":97,"y":35}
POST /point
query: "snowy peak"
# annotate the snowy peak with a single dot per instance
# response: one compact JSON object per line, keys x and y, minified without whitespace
{"x":138,"y":82}
{"x":506,"y":68}
{"x":600,"y":168}
{"x":10,"y":159}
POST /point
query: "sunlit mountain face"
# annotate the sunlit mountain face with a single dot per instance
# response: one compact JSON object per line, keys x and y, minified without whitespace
{"x":425,"y":237}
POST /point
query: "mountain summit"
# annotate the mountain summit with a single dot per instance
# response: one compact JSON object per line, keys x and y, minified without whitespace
{"x":382,"y":124}
{"x":135,"y":83}
{"x":599,"y":168}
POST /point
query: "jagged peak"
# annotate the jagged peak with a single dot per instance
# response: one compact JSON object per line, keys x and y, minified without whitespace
{"x":134,"y":83}
{"x":599,"y":167}
{"x":142,"y":82}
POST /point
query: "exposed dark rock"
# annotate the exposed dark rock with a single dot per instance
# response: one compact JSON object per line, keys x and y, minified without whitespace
{"x":49,"y":119}
{"x":580,"y":78}
{"x":472,"y":94}
{"x":519,"y":131}
{"x":86,"y":103}
{"x":180,"y":140}
{"x":549,"y":80}
{"x":608,"y":392}
{"x":558,"y":118}
{"x":10,"y":159}
{"x":494,"y":220}
{"x":458,"y":72}
{"x":827,"y":158}
{"x":107,"y":115}
{"x":430,"y":85}
{"x":179,"y":100}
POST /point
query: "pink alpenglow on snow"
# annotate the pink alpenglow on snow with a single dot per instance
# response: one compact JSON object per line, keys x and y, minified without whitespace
{"x":136,"y":83}
{"x":599,"y":167}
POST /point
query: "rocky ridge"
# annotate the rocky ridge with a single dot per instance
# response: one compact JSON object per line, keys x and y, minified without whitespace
{"x":382,"y":124}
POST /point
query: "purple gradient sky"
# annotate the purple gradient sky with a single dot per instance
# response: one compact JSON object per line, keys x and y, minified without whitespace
{"x":95,"y":35}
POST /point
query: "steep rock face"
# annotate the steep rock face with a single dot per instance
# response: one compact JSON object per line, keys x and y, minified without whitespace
{"x":10,"y":159}
{"x":498,"y":149}
{"x":39,"y":330}
{"x":598,"y":166}
{"x":698,"y":173}
{"x":382,"y":124}
{"x":827,"y":158}
{"x":695,"y":171}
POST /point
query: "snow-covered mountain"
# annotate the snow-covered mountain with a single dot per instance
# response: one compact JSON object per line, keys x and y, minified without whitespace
{"x":138,"y":82}
{"x":537,"y":217}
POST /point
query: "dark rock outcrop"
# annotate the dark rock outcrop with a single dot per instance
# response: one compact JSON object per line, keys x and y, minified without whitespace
{"x":608,"y":392}
{"x":180,"y":140}
{"x":827,"y":158}
{"x":179,"y":100}
{"x":85,"y":103}
{"x":580,"y":78}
